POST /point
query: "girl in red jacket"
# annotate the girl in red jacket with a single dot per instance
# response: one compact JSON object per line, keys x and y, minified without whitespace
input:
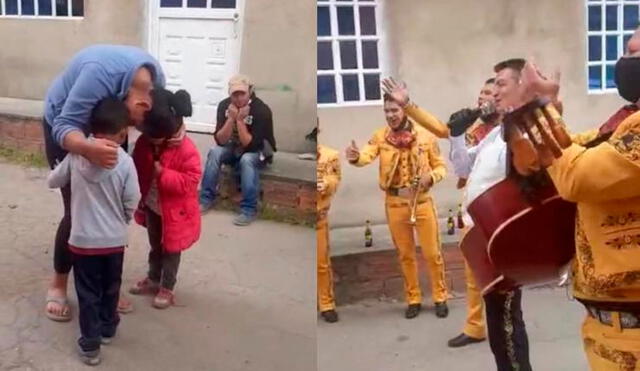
{"x":169,"y":176}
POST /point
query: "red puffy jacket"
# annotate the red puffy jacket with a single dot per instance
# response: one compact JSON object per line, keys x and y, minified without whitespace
{"x":177,"y":191}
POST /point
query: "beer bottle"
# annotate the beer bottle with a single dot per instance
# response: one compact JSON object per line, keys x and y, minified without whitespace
{"x":368,"y":236}
{"x":460,"y":221}
{"x":451,"y":225}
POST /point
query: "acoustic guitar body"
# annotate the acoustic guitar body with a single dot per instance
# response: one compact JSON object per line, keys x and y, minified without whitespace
{"x":519,"y":241}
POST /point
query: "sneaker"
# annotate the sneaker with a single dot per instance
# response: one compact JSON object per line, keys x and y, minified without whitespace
{"x":330,"y":316}
{"x":106,"y":340}
{"x":91,"y":358}
{"x":442,"y":310}
{"x":244,"y":220}
{"x":413,"y":310}
{"x":145,"y":287}
{"x":164,"y":299}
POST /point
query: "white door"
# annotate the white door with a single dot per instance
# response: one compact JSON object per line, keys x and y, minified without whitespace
{"x":198,"y":45}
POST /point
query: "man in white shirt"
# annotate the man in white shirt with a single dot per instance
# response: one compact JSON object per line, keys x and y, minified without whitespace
{"x":484,"y":166}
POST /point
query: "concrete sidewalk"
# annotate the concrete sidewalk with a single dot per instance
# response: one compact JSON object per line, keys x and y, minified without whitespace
{"x":375,"y":336}
{"x":244,"y":297}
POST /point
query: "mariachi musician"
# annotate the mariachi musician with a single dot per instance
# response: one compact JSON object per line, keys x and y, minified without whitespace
{"x":410,"y":164}
{"x":487,"y":119}
{"x":604,"y":181}
{"x":328,"y":179}
{"x":483,"y":166}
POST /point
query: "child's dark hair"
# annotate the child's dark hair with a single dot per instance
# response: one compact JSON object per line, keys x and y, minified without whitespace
{"x":165,"y":117}
{"x":109,"y":117}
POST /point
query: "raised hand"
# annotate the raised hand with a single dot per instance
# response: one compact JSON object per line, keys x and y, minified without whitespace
{"x":396,"y":90}
{"x":535,"y":84}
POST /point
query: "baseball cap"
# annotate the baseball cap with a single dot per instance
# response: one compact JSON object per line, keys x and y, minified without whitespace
{"x":239,"y":83}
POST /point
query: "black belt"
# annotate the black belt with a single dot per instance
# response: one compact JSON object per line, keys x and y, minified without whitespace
{"x":396,"y":191}
{"x":628,"y":320}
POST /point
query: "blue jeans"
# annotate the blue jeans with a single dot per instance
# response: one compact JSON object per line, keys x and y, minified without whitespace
{"x":248,"y":165}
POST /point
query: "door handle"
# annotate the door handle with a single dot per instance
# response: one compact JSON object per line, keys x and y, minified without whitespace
{"x":236,"y":20}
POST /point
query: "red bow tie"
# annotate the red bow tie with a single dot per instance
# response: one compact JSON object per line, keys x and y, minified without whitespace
{"x":401,"y":138}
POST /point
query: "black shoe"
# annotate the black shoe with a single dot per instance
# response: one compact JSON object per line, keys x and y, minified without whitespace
{"x":413,"y":310}
{"x":442,"y":311}
{"x":462,"y":340}
{"x":330,"y":316}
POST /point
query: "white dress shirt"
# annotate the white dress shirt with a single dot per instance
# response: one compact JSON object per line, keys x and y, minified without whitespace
{"x":484,"y":165}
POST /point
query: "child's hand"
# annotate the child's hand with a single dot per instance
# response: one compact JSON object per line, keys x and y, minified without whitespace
{"x":157,"y":168}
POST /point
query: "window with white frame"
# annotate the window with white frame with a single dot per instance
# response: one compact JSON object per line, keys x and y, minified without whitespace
{"x":348,"y":52}
{"x":610,"y":24}
{"x":42,"y":8}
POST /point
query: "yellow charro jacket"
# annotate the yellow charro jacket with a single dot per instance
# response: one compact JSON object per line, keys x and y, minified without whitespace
{"x":604,"y":181}
{"x":328,"y":170}
{"x":397,"y":165}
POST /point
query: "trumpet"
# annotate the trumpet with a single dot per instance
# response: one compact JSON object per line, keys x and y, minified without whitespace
{"x":416,"y":187}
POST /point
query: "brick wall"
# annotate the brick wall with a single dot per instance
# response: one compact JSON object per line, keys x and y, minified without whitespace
{"x":287,"y":198}
{"x":22,"y":133}
{"x":376,"y":274}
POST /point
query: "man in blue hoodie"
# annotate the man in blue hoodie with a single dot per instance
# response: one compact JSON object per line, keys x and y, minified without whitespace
{"x":97,"y":72}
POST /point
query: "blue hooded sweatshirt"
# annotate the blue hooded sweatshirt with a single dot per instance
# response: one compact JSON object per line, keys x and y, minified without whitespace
{"x":95,"y":73}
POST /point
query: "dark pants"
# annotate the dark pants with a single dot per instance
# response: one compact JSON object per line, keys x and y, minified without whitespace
{"x":163,"y":266}
{"x":507,"y":332}
{"x":247,"y":165}
{"x":98,"y":279}
{"x":61,"y":254}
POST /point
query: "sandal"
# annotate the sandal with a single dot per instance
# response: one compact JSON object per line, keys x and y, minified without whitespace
{"x":66,"y":308}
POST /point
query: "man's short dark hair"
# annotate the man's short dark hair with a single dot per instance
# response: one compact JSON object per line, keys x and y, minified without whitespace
{"x":490,"y":81}
{"x":387,"y":98}
{"x":516,"y":64}
{"x":110,"y":117}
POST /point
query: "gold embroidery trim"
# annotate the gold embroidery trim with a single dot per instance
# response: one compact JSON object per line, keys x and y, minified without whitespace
{"x":626,"y":360}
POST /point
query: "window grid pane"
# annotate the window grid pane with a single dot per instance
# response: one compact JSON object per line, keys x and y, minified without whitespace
{"x":27,"y":7}
{"x":44,"y":7}
{"x":77,"y":7}
{"x":326,"y":89}
{"x":610,"y":24}
{"x":223,"y":4}
{"x":325,"y":55}
{"x":12,"y":7}
{"x":324,"y":21}
{"x":351,"y":65}
{"x":171,"y":3}
{"x":62,"y":8}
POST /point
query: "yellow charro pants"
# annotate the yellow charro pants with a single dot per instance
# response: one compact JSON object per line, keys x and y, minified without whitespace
{"x":325,"y":275}
{"x":402,"y":233}
{"x":611,"y":348}
{"x":474,"y":324}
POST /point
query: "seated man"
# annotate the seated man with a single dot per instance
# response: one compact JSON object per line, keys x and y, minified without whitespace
{"x":244,"y":139}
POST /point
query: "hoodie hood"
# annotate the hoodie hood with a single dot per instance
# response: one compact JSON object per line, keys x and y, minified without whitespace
{"x":94,"y":173}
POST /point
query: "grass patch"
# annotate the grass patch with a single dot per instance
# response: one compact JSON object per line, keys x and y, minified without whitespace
{"x":267,"y":212}
{"x":23,"y":158}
